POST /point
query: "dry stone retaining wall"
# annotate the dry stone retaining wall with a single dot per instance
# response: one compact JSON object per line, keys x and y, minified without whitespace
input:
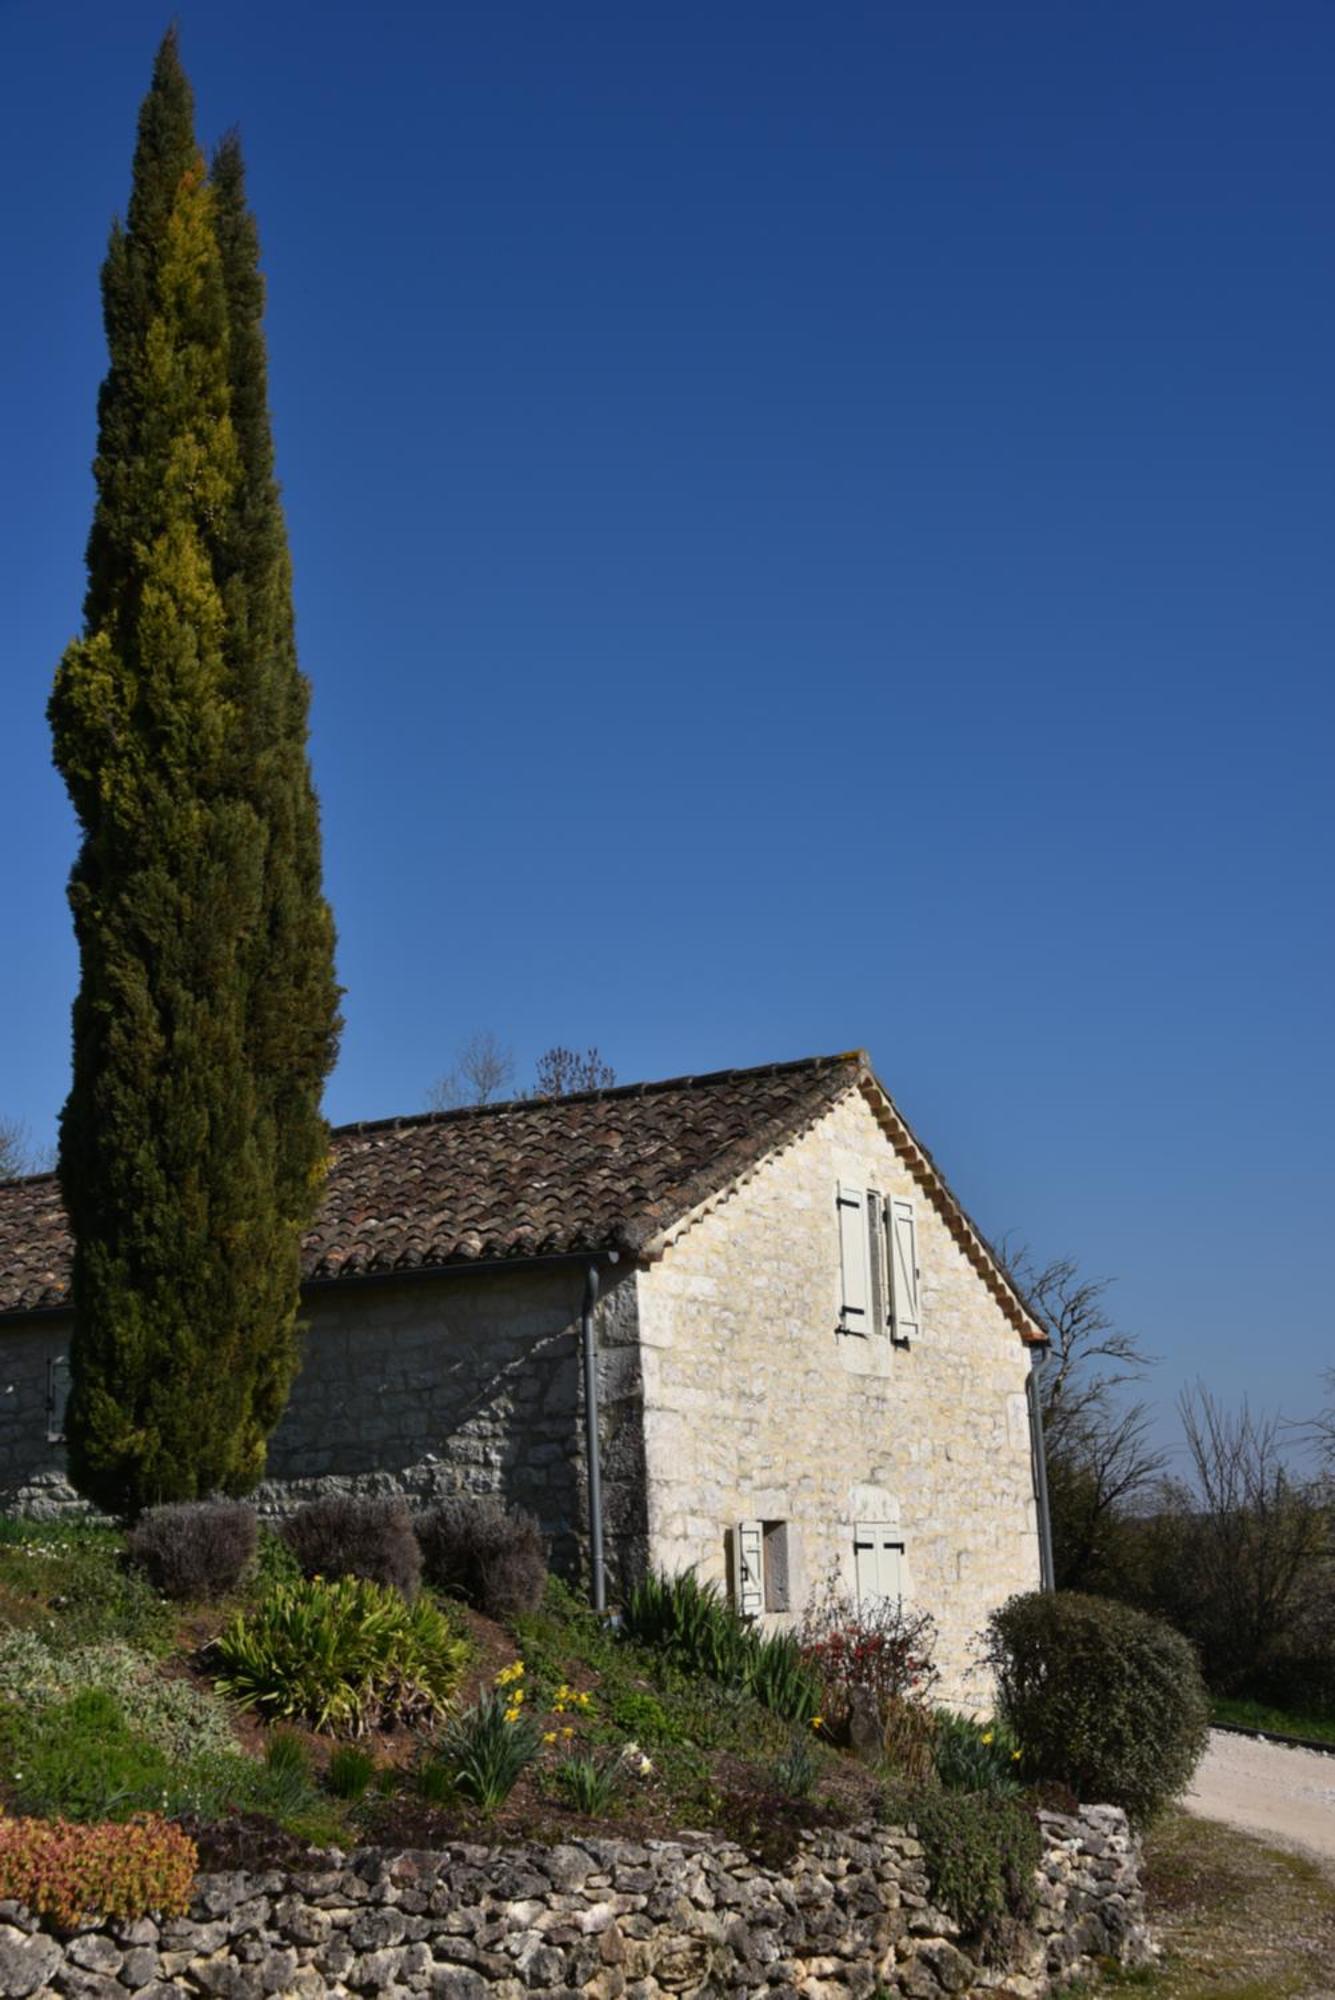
{"x":599,"y":1920}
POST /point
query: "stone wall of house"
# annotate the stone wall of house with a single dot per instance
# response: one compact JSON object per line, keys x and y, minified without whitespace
{"x":851,"y":1915}
{"x":32,"y":1467}
{"x":470,"y":1382}
{"x":758,"y":1407}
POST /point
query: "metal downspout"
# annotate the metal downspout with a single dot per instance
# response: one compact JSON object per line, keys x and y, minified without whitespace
{"x":1047,"y":1569}
{"x":593,"y":1449}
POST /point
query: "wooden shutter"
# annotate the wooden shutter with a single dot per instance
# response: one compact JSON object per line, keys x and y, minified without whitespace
{"x":854,"y":1310}
{"x":878,"y":1566}
{"x":864,"y":1566}
{"x":778,"y":1584}
{"x":57,"y":1396}
{"x":879,"y":1299}
{"x":748,"y":1568}
{"x":903,"y":1232}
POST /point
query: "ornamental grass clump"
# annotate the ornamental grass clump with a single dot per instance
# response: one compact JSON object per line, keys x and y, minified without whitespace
{"x":70,"y":1875}
{"x":1101,"y":1698}
{"x":693,"y":1625}
{"x":590,"y":1781}
{"x":350,"y":1772}
{"x":345,"y":1657}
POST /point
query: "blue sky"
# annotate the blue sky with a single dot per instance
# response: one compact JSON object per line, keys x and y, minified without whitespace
{"x":813,"y":527}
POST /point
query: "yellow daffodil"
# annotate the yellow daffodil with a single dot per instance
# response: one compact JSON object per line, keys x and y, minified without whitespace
{"x":818,"y":1721}
{"x":987,"y":1736}
{"x":567,"y":1733}
{"x":549,"y":1736}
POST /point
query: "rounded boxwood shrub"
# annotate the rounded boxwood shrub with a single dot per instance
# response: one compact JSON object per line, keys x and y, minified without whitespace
{"x":491,"y":1555}
{"x":195,"y":1551}
{"x":1101,"y":1697}
{"x":348,"y":1535}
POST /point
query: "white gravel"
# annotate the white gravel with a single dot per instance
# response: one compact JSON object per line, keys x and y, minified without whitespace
{"x":1282,"y":1794}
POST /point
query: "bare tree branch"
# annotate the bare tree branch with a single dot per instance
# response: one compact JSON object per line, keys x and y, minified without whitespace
{"x":18,"y":1155}
{"x":484,"y":1071}
{"x":562,"y":1071}
{"x":1254,"y":1538}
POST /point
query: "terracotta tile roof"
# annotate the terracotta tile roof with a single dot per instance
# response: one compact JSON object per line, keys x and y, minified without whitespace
{"x":599,"y":1171}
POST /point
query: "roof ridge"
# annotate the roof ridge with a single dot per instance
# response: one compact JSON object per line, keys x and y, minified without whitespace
{"x":412,"y":1119}
{"x":398,"y":1120}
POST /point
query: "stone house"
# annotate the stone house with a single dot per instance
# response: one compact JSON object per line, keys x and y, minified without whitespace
{"x":808,"y":1360}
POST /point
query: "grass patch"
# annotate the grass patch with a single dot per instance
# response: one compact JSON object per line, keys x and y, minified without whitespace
{"x":1237,"y":1920}
{"x":1274,"y":1721}
{"x":69,"y":1582}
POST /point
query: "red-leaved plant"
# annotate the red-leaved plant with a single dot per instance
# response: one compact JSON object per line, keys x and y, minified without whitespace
{"x":70,"y":1872}
{"x":876,"y":1654}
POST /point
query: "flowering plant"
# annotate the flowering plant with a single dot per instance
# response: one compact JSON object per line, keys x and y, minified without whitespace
{"x":879,"y":1652}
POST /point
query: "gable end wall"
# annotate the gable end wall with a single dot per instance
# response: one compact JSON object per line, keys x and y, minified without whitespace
{"x":756,"y":1407}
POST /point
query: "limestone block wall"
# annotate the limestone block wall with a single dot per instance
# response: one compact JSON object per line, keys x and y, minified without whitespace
{"x":32,"y":1467}
{"x":851,"y":1916}
{"x":758,"y":1407}
{"x":470,"y":1382}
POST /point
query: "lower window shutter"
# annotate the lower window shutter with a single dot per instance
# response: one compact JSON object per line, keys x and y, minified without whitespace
{"x":878,"y":1567}
{"x":904,"y":1315}
{"x":748,"y":1568}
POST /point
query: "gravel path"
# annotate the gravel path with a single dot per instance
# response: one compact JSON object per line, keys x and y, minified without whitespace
{"x":1267,"y":1789}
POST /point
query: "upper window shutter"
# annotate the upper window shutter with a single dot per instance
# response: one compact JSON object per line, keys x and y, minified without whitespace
{"x":879,"y":1300}
{"x":904,"y":1315}
{"x":854,"y":1310}
{"x":57,"y":1396}
{"x":748,"y":1568}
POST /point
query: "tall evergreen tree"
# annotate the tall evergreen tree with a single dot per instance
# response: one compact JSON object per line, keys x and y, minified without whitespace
{"x":191,"y":1143}
{"x":292,"y":1021}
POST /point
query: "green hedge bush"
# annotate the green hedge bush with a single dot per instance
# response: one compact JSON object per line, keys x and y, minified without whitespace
{"x":981,"y":1852}
{"x":1101,"y":1698}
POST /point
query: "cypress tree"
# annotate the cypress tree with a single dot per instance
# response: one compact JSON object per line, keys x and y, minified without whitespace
{"x":292,"y":1021}
{"x":172,"y":732}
